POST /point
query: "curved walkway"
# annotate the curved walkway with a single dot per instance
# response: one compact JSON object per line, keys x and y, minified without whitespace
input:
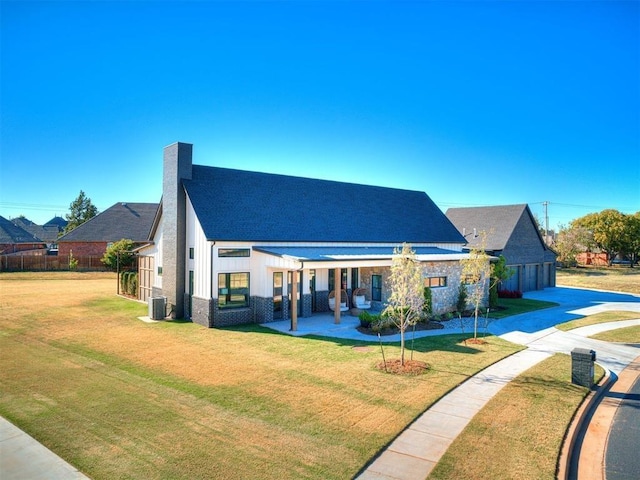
{"x":414,"y":453}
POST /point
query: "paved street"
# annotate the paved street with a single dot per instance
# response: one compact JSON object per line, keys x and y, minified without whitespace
{"x":622,"y":459}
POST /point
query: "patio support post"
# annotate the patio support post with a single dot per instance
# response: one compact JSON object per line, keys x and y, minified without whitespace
{"x":294,"y":301}
{"x":337,"y":287}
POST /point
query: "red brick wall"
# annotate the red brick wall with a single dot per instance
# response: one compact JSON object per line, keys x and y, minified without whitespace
{"x":588,"y":258}
{"x":7,"y":248}
{"x":82,"y":248}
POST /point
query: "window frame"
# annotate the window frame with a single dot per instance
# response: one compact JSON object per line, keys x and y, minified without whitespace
{"x":435,"y":282}
{"x":376,"y":291}
{"x":234,"y":252}
{"x":227,"y":295}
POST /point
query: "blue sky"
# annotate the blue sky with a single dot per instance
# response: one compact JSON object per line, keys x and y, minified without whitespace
{"x":475,"y":103}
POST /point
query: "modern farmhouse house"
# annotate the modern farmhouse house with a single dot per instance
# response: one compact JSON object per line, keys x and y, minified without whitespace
{"x":231,"y":247}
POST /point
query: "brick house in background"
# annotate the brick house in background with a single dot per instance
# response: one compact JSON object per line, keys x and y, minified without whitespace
{"x":513,"y":233}
{"x":48,"y":233}
{"x":121,"y":221}
{"x":17,"y":240}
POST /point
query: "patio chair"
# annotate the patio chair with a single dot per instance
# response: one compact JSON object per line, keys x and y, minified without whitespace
{"x":343,"y":301}
{"x":360,"y":300}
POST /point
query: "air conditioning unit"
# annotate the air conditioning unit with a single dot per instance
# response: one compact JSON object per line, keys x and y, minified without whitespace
{"x":157,"y":308}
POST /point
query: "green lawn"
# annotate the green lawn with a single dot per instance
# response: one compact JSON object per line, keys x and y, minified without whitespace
{"x":603,"y":317}
{"x":620,"y":335}
{"x":120,"y":398}
{"x":516,"y":306}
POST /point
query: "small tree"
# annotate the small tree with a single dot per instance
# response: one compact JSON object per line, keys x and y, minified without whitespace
{"x":119,"y":255}
{"x":80,"y":210}
{"x":406,"y":300}
{"x":476,"y":269}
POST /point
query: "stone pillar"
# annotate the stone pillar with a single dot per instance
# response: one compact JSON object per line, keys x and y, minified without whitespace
{"x":582,"y":361}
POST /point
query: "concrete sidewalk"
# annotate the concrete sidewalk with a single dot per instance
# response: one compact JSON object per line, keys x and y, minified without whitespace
{"x":416,"y":451}
{"x":22,"y":458}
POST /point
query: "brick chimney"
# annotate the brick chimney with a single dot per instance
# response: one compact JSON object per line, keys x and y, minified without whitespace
{"x":177,"y":167}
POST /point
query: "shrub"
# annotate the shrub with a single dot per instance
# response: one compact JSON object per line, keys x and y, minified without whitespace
{"x":493,"y":296}
{"x":427,"y":306}
{"x":509,"y":294}
{"x":365,"y":319}
{"x":461,"y":304}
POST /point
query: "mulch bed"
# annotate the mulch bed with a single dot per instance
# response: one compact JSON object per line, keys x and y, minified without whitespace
{"x":410,"y":367}
{"x":393,"y":331}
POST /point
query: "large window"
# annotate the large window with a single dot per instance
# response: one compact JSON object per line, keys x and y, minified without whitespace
{"x":435,"y":282}
{"x":376,"y":288}
{"x":233,"y":252}
{"x":233,"y":290}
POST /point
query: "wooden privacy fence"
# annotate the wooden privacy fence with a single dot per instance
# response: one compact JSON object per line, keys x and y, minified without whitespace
{"x":31,"y":263}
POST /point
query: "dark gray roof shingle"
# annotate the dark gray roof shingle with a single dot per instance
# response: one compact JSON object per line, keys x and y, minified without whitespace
{"x":11,"y":233}
{"x":122,"y":220}
{"x":498,"y":222}
{"x":237,"y":205}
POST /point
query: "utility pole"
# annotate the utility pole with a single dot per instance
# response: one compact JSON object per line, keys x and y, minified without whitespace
{"x":546,"y":222}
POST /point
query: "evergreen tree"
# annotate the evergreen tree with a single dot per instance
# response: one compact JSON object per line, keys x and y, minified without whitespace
{"x":80,"y":210}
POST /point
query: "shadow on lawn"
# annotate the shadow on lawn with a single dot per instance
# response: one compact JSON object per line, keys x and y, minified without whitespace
{"x":447,"y":343}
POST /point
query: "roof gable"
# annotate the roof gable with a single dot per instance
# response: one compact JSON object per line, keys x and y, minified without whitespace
{"x":122,"y":220}
{"x":11,"y":233}
{"x":498,"y":222}
{"x":237,"y":205}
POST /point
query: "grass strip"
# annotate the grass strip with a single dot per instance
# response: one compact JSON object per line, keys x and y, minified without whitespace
{"x":603,"y":317}
{"x":519,"y":433}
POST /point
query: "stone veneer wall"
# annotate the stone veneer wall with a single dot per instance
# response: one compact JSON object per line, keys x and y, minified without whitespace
{"x":444,"y":298}
{"x":201,"y":313}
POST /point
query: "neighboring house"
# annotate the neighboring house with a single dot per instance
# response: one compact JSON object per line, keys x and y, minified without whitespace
{"x":598,"y":259}
{"x":121,"y":221}
{"x":48,"y":233}
{"x":227,"y":244}
{"x":512,"y":232}
{"x":17,"y":240}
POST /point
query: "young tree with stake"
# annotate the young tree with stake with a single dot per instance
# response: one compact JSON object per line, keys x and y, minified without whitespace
{"x":404,"y":305}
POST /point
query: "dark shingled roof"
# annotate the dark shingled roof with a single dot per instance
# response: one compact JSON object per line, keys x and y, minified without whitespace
{"x":498,"y":222}
{"x":236,"y":205}
{"x":12,"y":233}
{"x":123,"y":220}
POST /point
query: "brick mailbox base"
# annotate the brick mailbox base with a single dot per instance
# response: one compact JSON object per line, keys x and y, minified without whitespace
{"x":582,"y":361}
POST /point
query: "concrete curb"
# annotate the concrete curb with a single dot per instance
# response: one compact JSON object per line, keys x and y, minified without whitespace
{"x":570,"y":453}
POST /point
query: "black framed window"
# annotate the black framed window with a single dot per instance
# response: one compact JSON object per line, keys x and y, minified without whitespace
{"x":233,"y":252}
{"x":355,"y":280}
{"x":435,"y":282}
{"x":376,"y":288}
{"x":233,"y":290}
{"x":332,"y":279}
{"x":191,"y":253}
